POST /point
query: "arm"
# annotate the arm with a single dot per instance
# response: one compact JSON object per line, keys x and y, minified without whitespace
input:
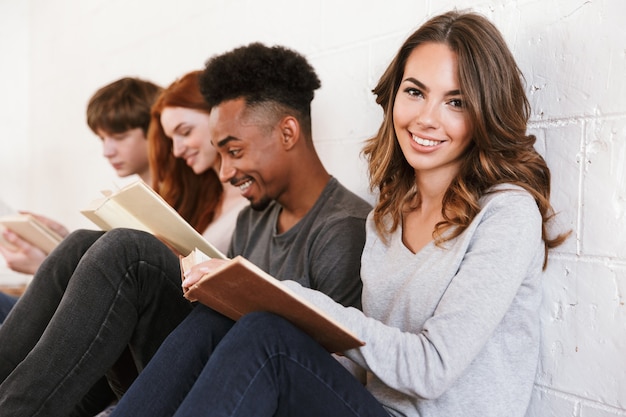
{"x":335,"y":262}
{"x":424,"y":360}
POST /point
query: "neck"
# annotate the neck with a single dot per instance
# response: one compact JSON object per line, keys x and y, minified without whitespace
{"x":305,"y":187}
{"x":432,"y":185}
{"x":146,"y":177}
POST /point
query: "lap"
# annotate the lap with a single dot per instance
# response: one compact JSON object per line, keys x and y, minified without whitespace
{"x":267,"y":366}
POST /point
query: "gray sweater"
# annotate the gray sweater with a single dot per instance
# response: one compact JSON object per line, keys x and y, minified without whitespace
{"x":452,"y":331}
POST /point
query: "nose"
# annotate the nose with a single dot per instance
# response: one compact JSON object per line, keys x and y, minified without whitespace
{"x":108,"y":147}
{"x":227,"y":170}
{"x":428,"y":115}
{"x":178,"y":146}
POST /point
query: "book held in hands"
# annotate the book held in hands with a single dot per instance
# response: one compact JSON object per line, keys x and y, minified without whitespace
{"x":238,"y":287}
{"x":31,"y":230}
{"x":138,"y":206}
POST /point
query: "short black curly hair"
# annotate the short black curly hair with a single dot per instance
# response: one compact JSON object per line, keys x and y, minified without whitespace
{"x":258,"y":74}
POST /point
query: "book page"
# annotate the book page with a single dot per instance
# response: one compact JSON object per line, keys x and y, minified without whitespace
{"x":138,"y":206}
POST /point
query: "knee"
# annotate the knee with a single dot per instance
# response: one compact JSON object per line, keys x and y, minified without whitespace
{"x":265,"y":323}
{"x":125,"y":240}
{"x":259,"y":318}
{"x":268,"y":333}
{"x":82,"y":238}
{"x":123,"y":235}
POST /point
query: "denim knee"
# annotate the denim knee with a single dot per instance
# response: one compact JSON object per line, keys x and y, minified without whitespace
{"x":262,"y":326}
{"x":128,"y":238}
{"x":263,"y":320}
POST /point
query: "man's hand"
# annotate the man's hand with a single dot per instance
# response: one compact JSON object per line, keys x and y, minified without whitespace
{"x":197,"y":271}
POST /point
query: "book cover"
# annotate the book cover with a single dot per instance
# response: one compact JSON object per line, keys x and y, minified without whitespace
{"x":239,"y":287}
{"x":138,"y":206}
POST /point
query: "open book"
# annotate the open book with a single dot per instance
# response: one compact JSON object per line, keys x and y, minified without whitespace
{"x":239,"y":287}
{"x":31,"y":230}
{"x":137,"y":206}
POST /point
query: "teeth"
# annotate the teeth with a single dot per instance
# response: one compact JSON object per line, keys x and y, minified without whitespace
{"x":243,"y":187}
{"x":425,"y":142}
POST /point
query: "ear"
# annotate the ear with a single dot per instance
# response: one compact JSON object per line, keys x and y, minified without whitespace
{"x":289,"y":132}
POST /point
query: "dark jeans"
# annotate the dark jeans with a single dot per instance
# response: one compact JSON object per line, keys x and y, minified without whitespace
{"x":95,"y":295}
{"x":262,"y":366}
{"x":6,"y":304}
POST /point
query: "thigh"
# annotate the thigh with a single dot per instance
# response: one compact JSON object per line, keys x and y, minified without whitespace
{"x":267,"y":367}
{"x":31,"y":314}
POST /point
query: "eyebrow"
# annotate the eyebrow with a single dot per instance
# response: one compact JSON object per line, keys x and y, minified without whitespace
{"x":175,"y":130}
{"x":225,"y":141}
{"x":178,"y":126}
{"x":423,"y":87}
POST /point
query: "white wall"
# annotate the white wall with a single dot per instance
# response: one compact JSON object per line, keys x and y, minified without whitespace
{"x":55,"y":54}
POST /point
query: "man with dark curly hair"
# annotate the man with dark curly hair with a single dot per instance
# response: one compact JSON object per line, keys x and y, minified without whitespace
{"x":301,"y":224}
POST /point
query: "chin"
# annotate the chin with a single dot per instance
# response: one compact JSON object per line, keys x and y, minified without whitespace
{"x":199,"y":169}
{"x":261,"y":204}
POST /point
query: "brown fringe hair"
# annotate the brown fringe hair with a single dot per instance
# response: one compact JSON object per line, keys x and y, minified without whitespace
{"x":122,"y":105}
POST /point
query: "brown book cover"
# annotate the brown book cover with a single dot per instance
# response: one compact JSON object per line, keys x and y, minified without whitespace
{"x":31,"y":230}
{"x":239,"y":287}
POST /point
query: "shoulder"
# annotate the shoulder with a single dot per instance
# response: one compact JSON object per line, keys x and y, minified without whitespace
{"x":509,"y":196}
{"x":337,"y":202}
{"x":508,"y":205}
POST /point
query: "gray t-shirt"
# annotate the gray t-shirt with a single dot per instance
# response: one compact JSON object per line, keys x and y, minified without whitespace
{"x":322,"y":251}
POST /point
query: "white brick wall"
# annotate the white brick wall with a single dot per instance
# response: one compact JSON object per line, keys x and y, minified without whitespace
{"x":54,"y":54}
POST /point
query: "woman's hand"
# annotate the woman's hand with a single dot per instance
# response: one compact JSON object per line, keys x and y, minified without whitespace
{"x":24,"y":257}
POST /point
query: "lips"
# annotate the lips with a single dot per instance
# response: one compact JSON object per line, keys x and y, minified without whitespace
{"x":244,"y":187}
{"x":425,"y":141}
{"x":243,"y":184}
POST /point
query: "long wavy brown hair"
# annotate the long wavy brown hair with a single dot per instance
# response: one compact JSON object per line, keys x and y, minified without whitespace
{"x":195,"y":197}
{"x":498,"y":110}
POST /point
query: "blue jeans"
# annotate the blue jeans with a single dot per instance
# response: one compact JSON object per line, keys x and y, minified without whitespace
{"x":262,"y":366}
{"x":95,"y":295}
{"x":6,"y":304}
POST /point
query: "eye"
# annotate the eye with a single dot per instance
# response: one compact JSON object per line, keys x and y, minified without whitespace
{"x":184,"y":131}
{"x":413,"y":92}
{"x":457,"y":103}
{"x":233,"y":152}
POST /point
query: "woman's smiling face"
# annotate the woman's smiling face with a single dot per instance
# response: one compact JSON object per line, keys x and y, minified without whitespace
{"x":189,"y":131}
{"x":429,"y":116}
